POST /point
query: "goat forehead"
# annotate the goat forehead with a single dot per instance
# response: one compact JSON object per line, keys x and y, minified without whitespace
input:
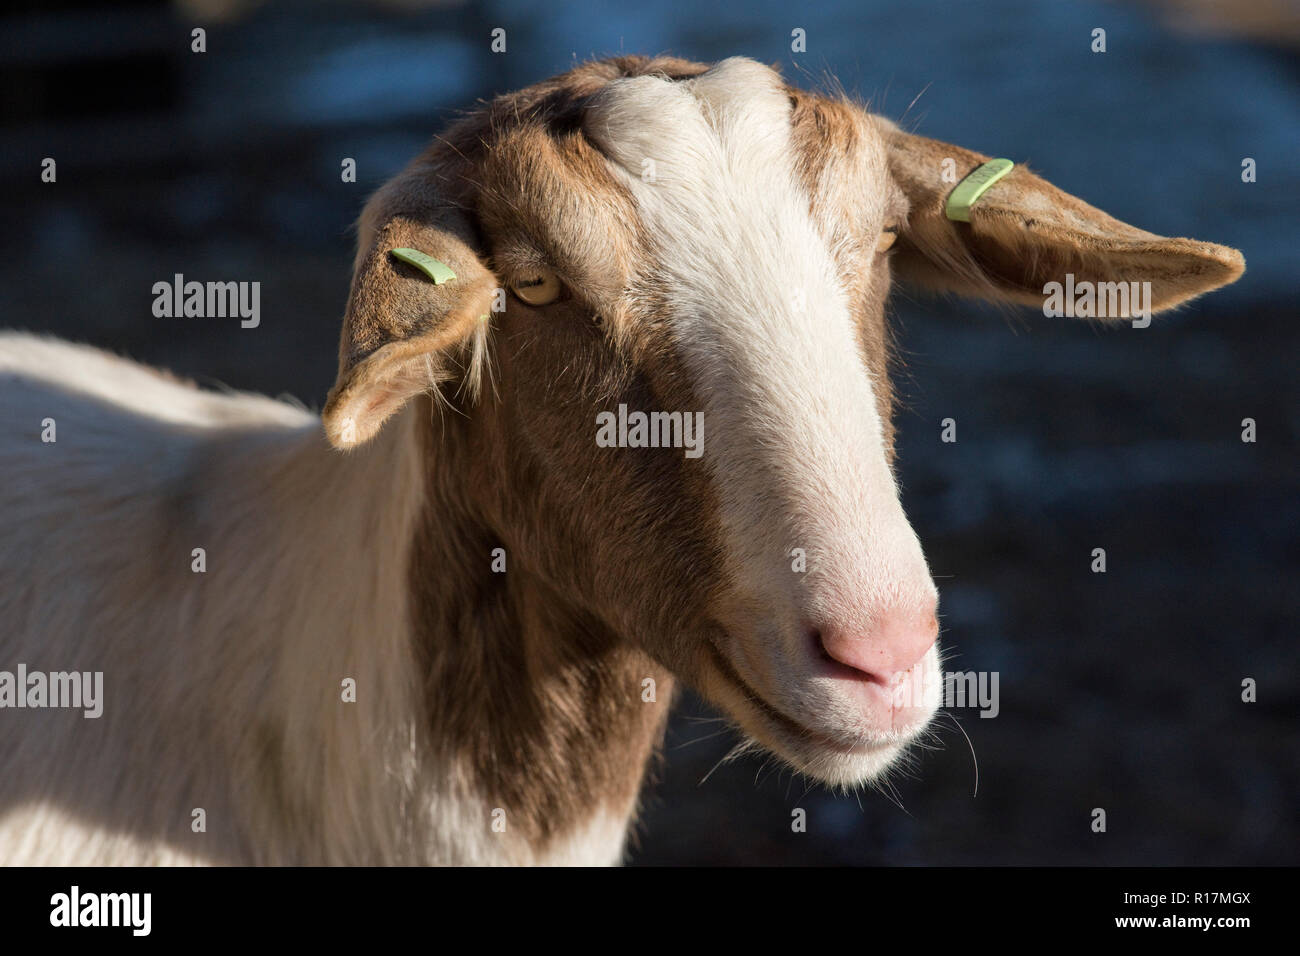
{"x":756,"y":303}
{"x":712,"y":165}
{"x":690,"y":120}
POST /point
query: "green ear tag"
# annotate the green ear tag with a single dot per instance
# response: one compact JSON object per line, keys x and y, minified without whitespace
{"x":435,"y":270}
{"x":970,"y":189}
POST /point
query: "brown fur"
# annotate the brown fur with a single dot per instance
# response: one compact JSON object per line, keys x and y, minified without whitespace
{"x":1024,"y":232}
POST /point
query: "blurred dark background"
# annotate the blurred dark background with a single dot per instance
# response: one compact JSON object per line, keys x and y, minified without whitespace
{"x":1119,"y":690}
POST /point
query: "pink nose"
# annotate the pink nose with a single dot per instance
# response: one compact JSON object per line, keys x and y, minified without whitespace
{"x":894,"y":645}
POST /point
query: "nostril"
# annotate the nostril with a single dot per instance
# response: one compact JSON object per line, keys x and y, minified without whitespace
{"x":842,"y":668}
{"x":880,"y":653}
{"x":817,"y":645}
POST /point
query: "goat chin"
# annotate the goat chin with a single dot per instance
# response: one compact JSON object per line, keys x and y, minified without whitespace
{"x":828,"y":723}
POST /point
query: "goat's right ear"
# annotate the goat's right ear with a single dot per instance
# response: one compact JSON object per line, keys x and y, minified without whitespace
{"x":401,"y":325}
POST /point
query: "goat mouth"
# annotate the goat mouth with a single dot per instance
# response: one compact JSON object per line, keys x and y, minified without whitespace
{"x":789,"y":727}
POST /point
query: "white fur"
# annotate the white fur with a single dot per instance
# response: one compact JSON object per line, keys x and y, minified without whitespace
{"x":212,"y":691}
{"x":793,"y":437}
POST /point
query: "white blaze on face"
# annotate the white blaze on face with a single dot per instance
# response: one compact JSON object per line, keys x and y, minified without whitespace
{"x":763,"y":326}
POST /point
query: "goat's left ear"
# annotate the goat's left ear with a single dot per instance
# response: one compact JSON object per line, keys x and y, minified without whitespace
{"x":1024,"y":233}
{"x":402,"y":323}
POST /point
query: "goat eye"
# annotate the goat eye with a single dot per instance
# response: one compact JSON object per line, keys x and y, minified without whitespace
{"x":887,"y":237}
{"x":541,"y":289}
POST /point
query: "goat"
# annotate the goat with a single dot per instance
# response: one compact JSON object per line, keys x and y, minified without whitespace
{"x":441,"y":623}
